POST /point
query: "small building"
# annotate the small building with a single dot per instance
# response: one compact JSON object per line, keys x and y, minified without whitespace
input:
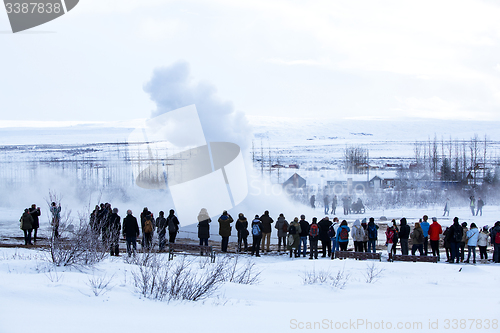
{"x":295,"y":181}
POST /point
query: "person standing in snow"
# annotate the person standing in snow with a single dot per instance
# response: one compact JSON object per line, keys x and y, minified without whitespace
{"x":425,"y":229}
{"x":242,"y":229}
{"x":480,"y":204}
{"x":326,"y":201}
{"x":225,"y":221}
{"x":173,"y":226}
{"x":27,"y":226}
{"x":472,"y":204}
{"x":114,"y":227}
{"x":358,"y":234}
{"x":314,"y":232}
{"x":313,"y":201}
{"x":389,"y":235}
{"x":372,"y":234}
{"x":55,"y":210}
{"x":256,"y":235}
{"x":282,"y":227}
{"x":334,"y":205}
{"x":161,"y":229}
{"x":267,"y":222}
{"x":35,"y":213}
{"x":343,"y":235}
{"x":304,"y":232}
{"x":455,"y":234}
{"x":435,"y":230}
{"x":147,"y":228}
{"x":495,"y":241}
{"x":326,"y":243}
{"x":447,"y":207}
{"x":463,"y":241}
{"x":294,"y":231}
{"x":404,"y":234}
{"x":130,"y":232}
{"x":365,"y":237}
{"x":482,"y":243}
{"x":417,"y":239}
{"x":472,"y":236}
{"x":204,"y":226}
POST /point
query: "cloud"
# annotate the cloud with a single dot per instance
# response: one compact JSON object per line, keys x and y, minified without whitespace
{"x":173,"y":87}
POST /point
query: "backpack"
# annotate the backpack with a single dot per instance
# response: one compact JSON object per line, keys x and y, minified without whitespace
{"x":256,"y":230}
{"x":331,"y":232}
{"x":314,"y":230}
{"x":148,"y":226}
{"x":285,"y":227}
{"x":497,"y":237}
{"x":292,"y":230}
{"x":344,"y":234}
{"x":372,"y":232}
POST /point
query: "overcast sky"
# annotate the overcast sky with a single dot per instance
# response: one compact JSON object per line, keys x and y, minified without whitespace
{"x":335,"y":59}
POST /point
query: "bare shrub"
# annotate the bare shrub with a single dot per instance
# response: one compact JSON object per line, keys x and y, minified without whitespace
{"x":53,"y":275}
{"x":373,"y":273}
{"x":337,"y":280}
{"x":244,"y":274}
{"x":100,"y":284}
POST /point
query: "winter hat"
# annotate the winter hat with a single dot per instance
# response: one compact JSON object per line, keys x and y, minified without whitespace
{"x":464,"y":224}
{"x":434,"y":219}
{"x":485,"y":228}
{"x":295,"y":219}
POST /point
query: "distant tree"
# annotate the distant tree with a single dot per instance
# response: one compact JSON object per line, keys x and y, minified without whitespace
{"x":446,"y":173}
{"x":356,"y":160}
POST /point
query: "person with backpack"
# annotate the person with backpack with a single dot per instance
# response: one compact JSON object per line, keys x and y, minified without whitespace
{"x":314,"y":232}
{"x":364,"y":224}
{"x":495,"y":241}
{"x":435,"y":230}
{"x":26,"y":226}
{"x":343,"y":235}
{"x":294,"y":231}
{"x":404,"y":234}
{"x":372,"y":234}
{"x":147,"y":231}
{"x":173,"y":226}
{"x":256,"y":235}
{"x":482,"y":243}
{"x":358,"y":234}
{"x":332,"y":234}
{"x":267,"y":222}
{"x":326,"y":243}
{"x":130,"y":232}
{"x":225,"y":221}
{"x":161,"y":229}
{"x":389,"y":234}
{"x":417,"y":240}
{"x":472,"y":236}
{"x":455,"y":234}
{"x":204,"y":226}
{"x":242,"y":229}
{"x":282,"y":230}
{"x":425,"y":229}
{"x":304,"y":232}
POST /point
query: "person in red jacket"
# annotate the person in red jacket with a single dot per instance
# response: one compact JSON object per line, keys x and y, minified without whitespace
{"x":434,"y":231}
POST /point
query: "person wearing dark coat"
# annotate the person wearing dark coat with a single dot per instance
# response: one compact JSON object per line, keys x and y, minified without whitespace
{"x":27,"y":226}
{"x":256,"y":235}
{"x":417,"y":240}
{"x":282,"y":227}
{"x":326,"y":202}
{"x":496,"y":246}
{"x":161,"y":229}
{"x":173,"y":226}
{"x":480,"y":204}
{"x":267,"y":221}
{"x":455,"y":234}
{"x":334,"y":205}
{"x":204,"y":226}
{"x":326,"y":243}
{"x":304,"y":232}
{"x":242,"y":229}
{"x":35,"y":213}
{"x":312,"y":200}
{"x":314,"y":236}
{"x":130,"y":232}
{"x":147,"y":237}
{"x":225,"y":221}
{"x":404,"y":234}
{"x":372,"y":230}
{"x":114,"y":232}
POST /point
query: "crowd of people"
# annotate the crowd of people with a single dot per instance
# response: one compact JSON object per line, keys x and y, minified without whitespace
{"x":293,"y":237}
